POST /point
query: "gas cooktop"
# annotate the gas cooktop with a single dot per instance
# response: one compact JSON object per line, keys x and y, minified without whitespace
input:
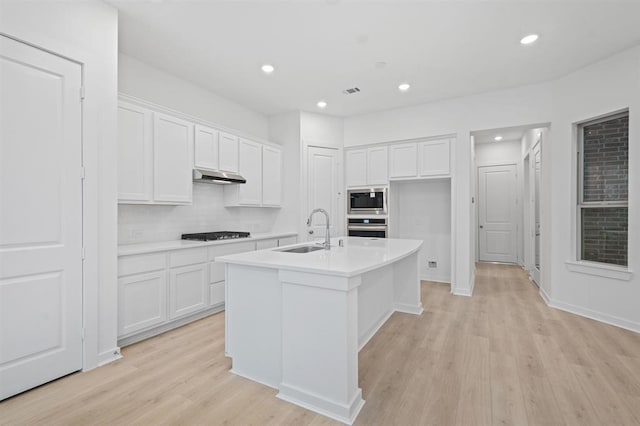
{"x":212,"y":236}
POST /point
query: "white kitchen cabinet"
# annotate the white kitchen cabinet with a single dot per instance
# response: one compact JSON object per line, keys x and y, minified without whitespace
{"x":434,"y":158}
{"x":403,"y":161}
{"x":141,"y":301}
{"x":216,"y":269}
{"x":228,"y":152}
{"x":266,"y":244}
{"x":271,"y":176}
{"x":286,"y":241}
{"x":135,"y":162}
{"x":172,"y":164}
{"x":377,"y":166}
{"x":188,"y":288}
{"x":261,"y":166}
{"x":356,"y":167}
{"x":206,"y":148}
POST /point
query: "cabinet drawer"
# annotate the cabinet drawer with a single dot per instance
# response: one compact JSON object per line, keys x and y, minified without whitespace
{"x":130,"y":265}
{"x":187,"y":257}
{"x":266,"y":244}
{"x":225,"y":249}
{"x":216,"y":293}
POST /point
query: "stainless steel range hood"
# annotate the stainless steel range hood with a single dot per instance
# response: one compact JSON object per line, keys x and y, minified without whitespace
{"x":220,"y":178}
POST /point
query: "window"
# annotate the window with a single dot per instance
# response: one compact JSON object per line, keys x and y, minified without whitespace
{"x":603,"y":163}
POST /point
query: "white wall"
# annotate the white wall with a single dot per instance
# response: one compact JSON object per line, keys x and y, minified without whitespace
{"x":86,"y":32}
{"x":504,"y":108}
{"x":284,"y":129}
{"x":143,"y":81}
{"x":495,"y":153}
{"x":602,"y":88}
{"x":422,"y":210}
{"x":327,"y":132}
{"x":139,"y":223}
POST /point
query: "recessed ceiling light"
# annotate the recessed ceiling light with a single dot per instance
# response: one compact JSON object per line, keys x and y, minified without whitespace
{"x":529,"y":39}
{"x":321,"y":104}
{"x":268,"y":69}
{"x":404,"y":87}
{"x":497,"y":138}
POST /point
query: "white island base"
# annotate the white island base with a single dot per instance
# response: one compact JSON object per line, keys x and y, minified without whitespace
{"x":296,"y":321}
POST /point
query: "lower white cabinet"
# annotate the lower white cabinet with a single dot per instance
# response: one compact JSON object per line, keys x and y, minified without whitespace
{"x":141,"y":301}
{"x":187,"y":290}
{"x":158,"y":291}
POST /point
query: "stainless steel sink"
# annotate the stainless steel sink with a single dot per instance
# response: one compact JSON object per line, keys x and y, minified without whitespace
{"x":302,"y":249}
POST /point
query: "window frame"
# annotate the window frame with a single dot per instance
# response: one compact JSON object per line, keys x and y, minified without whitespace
{"x":580,"y":203}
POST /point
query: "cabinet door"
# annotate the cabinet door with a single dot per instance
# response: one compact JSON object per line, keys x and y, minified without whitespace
{"x":377,"y":166}
{"x":271,"y":176}
{"x":134,"y":153}
{"x":172,"y":160}
{"x":188,"y":287}
{"x":228,"y":153}
{"x":434,"y":158}
{"x":356,"y":167}
{"x":206,"y":148}
{"x":141,"y":302}
{"x":216,"y":293}
{"x":250,"y":167}
{"x":403,"y":161}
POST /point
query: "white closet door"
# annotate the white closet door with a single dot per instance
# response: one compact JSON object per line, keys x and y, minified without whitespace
{"x":40,"y":217}
{"x":322,"y":188}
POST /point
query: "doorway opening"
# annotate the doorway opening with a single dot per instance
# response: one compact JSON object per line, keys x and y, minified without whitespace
{"x":506,"y":184}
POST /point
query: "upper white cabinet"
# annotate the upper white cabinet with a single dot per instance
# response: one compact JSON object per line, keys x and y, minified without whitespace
{"x":250,"y":167}
{"x":434,"y":158}
{"x":377,"y":166}
{"x":261,"y":166}
{"x":228,"y":150}
{"x":172,"y":142}
{"x":367,"y":167}
{"x":155,"y":157}
{"x":403,"y":161}
{"x":206,"y":148}
{"x":271,"y":176}
{"x":135,"y":128}
{"x":356,"y":167}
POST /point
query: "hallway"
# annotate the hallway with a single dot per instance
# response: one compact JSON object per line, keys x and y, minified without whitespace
{"x":499,"y":357}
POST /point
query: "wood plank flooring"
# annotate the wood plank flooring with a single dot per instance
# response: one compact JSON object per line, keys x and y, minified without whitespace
{"x":500,"y":357}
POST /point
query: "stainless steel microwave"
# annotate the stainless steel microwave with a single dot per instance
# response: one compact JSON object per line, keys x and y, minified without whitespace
{"x":367,"y":201}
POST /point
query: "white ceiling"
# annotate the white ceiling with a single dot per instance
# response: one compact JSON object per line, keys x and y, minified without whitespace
{"x":508,"y":135}
{"x":443,"y":48}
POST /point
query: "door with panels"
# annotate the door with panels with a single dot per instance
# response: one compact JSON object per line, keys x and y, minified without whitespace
{"x":497,"y":217}
{"x":40,"y":217}
{"x":322,"y":191}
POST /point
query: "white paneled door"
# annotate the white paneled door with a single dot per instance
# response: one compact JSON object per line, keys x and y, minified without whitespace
{"x":322,"y":188}
{"x":497,"y":213}
{"x":40,"y":217}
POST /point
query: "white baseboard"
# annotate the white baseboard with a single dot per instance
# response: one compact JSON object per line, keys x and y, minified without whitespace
{"x":109,"y":356}
{"x":591,"y":314}
{"x":364,"y":339}
{"x":409,"y":309}
{"x":543,"y":294}
{"x":468,"y":292}
{"x":345,"y":413}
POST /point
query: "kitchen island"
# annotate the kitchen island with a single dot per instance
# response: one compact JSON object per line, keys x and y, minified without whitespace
{"x":296,"y":321}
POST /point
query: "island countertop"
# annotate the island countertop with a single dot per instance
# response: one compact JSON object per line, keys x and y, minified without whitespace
{"x":358,"y":255}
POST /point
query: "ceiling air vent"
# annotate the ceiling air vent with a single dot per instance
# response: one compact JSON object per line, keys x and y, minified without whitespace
{"x":351,"y":91}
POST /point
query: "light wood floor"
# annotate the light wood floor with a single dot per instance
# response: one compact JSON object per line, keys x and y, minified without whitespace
{"x":500,"y":357}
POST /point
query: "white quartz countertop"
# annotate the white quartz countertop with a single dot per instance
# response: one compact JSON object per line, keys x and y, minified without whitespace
{"x":130,"y":249}
{"x":358,"y":255}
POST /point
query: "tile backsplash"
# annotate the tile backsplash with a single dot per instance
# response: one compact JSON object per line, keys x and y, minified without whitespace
{"x":145,"y":223}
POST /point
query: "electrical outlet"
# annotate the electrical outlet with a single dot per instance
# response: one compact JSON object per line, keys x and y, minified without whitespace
{"x":433,"y":264}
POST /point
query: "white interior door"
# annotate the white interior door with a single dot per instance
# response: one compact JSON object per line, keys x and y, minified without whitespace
{"x":497,"y":219}
{"x":322,"y":188}
{"x":40,"y":217}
